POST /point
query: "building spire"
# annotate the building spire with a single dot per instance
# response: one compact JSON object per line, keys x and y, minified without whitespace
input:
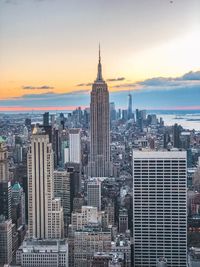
{"x":99,"y":73}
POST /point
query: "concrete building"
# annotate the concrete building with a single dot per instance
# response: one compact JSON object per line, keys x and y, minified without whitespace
{"x":5,"y":241}
{"x":122,"y":245}
{"x":45,"y":253}
{"x":88,"y":241}
{"x":105,"y":259}
{"x":94,"y":193}
{"x":75,"y":145}
{"x":159,"y":208}
{"x":45,"y":213}
{"x":88,"y":215}
{"x":194,"y":257}
{"x":123,"y":221}
{"x":99,"y":165}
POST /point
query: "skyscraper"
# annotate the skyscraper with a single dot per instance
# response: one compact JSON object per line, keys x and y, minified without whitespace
{"x":62,"y":190}
{"x":5,"y":241}
{"x":99,"y":127}
{"x":176,"y":135}
{"x":130,"y":108}
{"x":75,"y":145}
{"x":5,"y":185}
{"x":94,"y":194}
{"x":159,"y":208}
{"x":46,"y":119}
{"x":5,"y":199}
{"x":45,"y":218}
{"x":4,"y":174}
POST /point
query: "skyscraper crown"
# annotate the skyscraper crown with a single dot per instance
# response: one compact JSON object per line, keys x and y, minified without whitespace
{"x":99,"y":73}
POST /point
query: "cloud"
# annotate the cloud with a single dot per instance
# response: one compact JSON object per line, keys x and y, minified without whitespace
{"x":162,"y":83}
{"x":115,"y":79}
{"x":158,"y":92}
{"x":192,"y":76}
{"x":108,"y":80}
{"x":84,"y":84}
{"x":125,"y":85}
{"x":43,"y":87}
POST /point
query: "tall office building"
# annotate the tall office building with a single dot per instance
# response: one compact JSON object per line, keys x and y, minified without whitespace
{"x":5,"y":241}
{"x":130,"y":107}
{"x":5,"y":185}
{"x":75,"y":145}
{"x":176,"y":135}
{"x":62,"y":190}
{"x":94,"y":194}
{"x":45,"y":218}
{"x":99,"y":127}
{"x":4,"y":174}
{"x":46,"y":119}
{"x":159,"y":208}
{"x":5,"y":199}
{"x":18,"y":201}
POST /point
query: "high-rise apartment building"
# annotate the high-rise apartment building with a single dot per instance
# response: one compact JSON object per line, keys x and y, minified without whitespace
{"x":45,"y":218}
{"x":94,"y":193}
{"x":159,"y":208}
{"x":75,"y":145}
{"x":99,"y":165}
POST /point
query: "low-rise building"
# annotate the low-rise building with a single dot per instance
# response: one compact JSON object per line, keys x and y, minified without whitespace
{"x":46,"y":253}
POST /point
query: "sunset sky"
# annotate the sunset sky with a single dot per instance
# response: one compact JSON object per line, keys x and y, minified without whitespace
{"x":49,"y":50}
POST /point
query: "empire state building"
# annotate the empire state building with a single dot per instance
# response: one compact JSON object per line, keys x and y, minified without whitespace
{"x":99,"y":127}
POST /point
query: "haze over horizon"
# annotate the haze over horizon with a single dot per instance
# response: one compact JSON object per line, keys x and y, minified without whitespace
{"x":49,"y":49}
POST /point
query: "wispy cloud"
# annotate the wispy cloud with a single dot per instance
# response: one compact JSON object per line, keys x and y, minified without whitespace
{"x":84,"y":84}
{"x":115,"y":79}
{"x":162,"y":83}
{"x":43,"y":87}
{"x":151,"y":93}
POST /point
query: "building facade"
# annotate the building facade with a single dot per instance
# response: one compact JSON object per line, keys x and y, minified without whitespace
{"x":45,"y":253}
{"x":88,"y":241}
{"x":159,"y":208}
{"x":5,"y":241}
{"x":75,"y":145}
{"x":45,"y":214}
{"x":94,"y":194}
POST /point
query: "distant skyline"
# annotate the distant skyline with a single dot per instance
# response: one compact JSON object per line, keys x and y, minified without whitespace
{"x":49,"y":51}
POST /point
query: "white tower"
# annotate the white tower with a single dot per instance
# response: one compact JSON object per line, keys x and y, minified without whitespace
{"x":75,"y":146}
{"x":159,"y":208}
{"x":45,"y":211}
